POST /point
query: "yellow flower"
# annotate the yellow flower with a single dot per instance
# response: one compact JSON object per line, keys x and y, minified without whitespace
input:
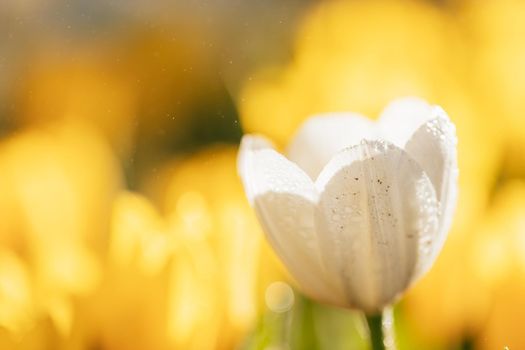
{"x":205,"y":204}
{"x":56,"y":187}
{"x":479,"y":297}
{"x":498,"y":259}
{"x":356,"y":56}
{"x":497,"y":28}
{"x":184,"y":277}
{"x":16,"y":299}
{"x":151,"y":280}
{"x":82,"y":87}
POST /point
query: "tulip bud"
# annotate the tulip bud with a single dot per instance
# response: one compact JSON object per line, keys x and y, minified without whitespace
{"x":360,"y":209}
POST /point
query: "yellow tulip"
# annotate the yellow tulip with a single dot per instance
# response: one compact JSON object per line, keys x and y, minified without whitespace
{"x":499,"y":260}
{"x":205,"y":204}
{"x":497,"y":28}
{"x":56,"y":187}
{"x":185,"y":277}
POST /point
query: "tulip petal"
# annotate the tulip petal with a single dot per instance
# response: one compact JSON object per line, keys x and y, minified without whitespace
{"x":319,"y":138}
{"x":433,"y":146}
{"x":377,"y":218}
{"x":427,"y":135}
{"x":402,"y":117}
{"x":284,"y":199}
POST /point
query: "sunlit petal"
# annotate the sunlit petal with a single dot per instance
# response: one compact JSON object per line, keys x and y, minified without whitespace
{"x":284,"y":198}
{"x":433,"y":146}
{"x":319,"y":138}
{"x":377,"y":221}
{"x":402,"y":117}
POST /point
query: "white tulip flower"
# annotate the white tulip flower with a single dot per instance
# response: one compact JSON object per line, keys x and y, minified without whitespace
{"x":358,"y":210}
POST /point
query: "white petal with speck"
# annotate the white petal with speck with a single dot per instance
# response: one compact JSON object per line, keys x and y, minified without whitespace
{"x":376,"y":219}
{"x":284,"y":198}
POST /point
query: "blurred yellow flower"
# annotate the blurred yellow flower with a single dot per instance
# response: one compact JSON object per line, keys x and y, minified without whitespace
{"x":498,"y":258}
{"x":15,"y":293}
{"x":128,"y":87}
{"x":497,"y":28}
{"x":188,"y":278}
{"x":356,"y":56}
{"x":56,"y":187}
{"x":150,"y":279}
{"x":205,"y":204}
{"x":479,"y":297}
{"x":84,"y":87}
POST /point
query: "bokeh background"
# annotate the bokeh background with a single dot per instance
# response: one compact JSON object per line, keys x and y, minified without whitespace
{"x":123,"y":224}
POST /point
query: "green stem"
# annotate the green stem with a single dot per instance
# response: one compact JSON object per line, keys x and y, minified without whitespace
{"x":375,"y":324}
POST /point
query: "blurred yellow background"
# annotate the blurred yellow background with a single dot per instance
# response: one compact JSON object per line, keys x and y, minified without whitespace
{"x":123,"y":224}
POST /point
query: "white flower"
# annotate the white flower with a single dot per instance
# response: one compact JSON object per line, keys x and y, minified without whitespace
{"x":360,"y":209}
